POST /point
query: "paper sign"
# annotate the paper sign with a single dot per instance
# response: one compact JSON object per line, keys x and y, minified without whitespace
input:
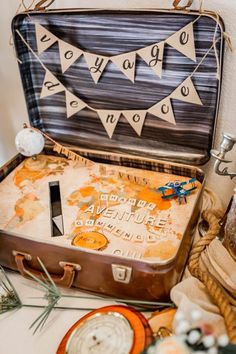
{"x":51,"y":85}
{"x":96,"y":65}
{"x":163,"y":110}
{"x":73,"y":104}
{"x":187,"y":92}
{"x":68,"y":55}
{"x":183,"y":41}
{"x":57,"y":148}
{"x":126,"y":63}
{"x":153,"y":56}
{"x":109,"y":120}
{"x":136,"y":119}
{"x":44,"y":38}
{"x":72,"y":155}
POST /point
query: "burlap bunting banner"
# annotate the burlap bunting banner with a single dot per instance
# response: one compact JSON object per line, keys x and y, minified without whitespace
{"x":186,"y":92}
{"x":153,"y":55}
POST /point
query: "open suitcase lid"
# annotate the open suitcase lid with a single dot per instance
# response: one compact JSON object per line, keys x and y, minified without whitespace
{"x":114,"y":32}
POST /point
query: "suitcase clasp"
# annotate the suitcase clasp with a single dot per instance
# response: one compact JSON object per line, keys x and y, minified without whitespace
{"x":121,"y":274}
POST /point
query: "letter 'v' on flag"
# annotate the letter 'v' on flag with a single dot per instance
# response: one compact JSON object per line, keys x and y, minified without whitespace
{"x":44,"y":38}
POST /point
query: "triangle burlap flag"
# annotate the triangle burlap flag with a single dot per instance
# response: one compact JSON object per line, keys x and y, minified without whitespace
{"x":136,"y":119}
{"x":153,"y":56}
{"x":44,"y":38}
{"x":126,"y":63}
{"x":96,"y":65}
{"x":68,"y":54}
{"x":73,"y":104}
{"x":163,"y":110}
{"x":183,"y":41}
{"x":109,"y":120}
{"x":51,"y":85}
{"x":187,"y":92}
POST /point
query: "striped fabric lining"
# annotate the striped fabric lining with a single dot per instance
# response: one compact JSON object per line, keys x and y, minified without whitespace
{"x":110,"y":33}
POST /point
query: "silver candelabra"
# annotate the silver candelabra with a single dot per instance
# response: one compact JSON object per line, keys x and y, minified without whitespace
{"x":226,"y":145}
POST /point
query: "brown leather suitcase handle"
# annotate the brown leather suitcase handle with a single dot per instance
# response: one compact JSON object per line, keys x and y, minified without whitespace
{"x":65,"y":280}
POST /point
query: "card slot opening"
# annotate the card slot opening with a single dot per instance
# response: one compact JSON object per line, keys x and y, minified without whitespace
{"x":56,"y":217}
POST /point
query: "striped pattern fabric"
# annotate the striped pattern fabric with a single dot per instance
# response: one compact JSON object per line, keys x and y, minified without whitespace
{"x":115,"y":32}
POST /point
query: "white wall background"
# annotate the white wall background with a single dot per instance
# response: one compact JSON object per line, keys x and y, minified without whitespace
{"x":12,"y":105}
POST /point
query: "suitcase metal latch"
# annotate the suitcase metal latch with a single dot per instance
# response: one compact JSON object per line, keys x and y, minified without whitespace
{"x":121,"y":274}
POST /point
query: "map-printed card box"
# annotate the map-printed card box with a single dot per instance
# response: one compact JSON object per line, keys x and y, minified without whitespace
{"x":136,"y":92}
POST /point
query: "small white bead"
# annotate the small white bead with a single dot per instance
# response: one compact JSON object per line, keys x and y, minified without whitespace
{"x":183,"y":327}
{"x":212,"y":350}
{"x":194,"y":336}
{"x":208,"y":341}
{"x":196,"y":315}
{"x":179,"y":316}
{"x":223,"y":340}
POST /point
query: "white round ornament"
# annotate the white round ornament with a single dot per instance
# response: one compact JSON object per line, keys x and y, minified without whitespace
{"x":29,"y":142}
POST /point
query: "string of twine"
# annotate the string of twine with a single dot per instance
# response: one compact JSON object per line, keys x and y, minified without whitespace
{"x":214,"y":288}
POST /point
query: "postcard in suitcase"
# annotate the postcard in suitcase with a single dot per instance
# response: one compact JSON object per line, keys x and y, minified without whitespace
{"x":129,"y":99}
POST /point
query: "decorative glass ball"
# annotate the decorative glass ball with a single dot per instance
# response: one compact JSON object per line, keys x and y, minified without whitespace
{"x":29,"y":142}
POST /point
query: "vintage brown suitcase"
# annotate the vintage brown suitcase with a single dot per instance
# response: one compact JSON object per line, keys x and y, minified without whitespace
{"x":163,"y":149}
